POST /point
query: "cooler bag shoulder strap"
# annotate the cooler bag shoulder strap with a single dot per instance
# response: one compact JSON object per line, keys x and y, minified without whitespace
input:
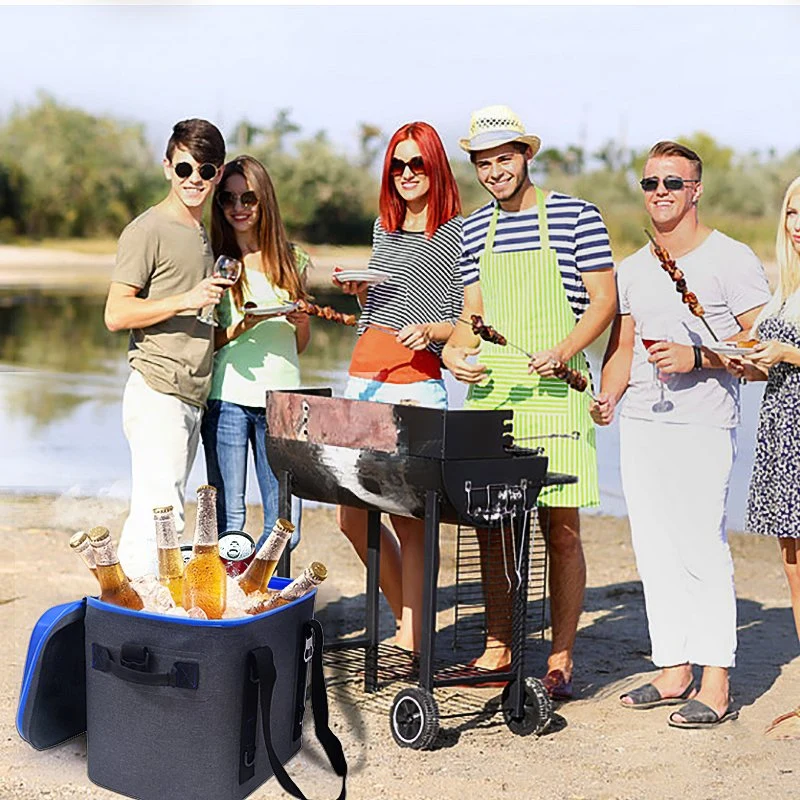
{"x":263,"y":664}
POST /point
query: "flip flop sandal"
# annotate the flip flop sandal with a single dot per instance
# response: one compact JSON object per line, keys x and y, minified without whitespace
{"x":790,"y":721}
{"x":648,"y":696}
{"x":699,"y":715}
{"x":557,"y":685}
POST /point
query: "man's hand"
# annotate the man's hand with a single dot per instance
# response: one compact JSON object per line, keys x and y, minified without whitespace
{"x":544,"y":363}
{"x":207,"y":293}
{"x":455,"y":359}
{"x":414,"y":337}
{"x":602,"y":408}
{"x":671,"y":358}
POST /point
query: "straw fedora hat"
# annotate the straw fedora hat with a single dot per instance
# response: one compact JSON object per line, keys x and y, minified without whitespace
{"x":495,"y":125}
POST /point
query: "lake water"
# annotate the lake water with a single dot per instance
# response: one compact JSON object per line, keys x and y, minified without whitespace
{"x":61,"y":380}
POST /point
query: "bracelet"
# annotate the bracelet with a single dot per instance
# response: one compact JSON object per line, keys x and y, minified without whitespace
{"x":698,"y":357}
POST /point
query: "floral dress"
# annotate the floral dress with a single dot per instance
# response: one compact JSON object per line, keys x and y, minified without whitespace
{"x":773,"y":503}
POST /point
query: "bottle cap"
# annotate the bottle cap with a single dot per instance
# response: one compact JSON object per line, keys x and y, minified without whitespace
{"x":77,"y":539}
{"x":284,"y":525}
{"x":163,"y":510}
{"x":318,"y":570}
{"x":206,"y":488}
{"x":98,"y":534}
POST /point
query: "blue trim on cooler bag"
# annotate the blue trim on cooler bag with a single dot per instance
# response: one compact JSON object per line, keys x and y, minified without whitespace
{"x":39,"y":636}
{"x":275,"y":583}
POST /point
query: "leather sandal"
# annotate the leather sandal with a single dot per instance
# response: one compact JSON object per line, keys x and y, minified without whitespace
{"x":648,"y":696}
{"x":698,"y":715}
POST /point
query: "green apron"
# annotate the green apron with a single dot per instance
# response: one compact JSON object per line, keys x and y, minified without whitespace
{"x":524,"y":298}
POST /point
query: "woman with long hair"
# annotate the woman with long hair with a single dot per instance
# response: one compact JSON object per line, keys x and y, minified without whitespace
{"x":253,"y":353}
{"x":404,"y":324}
{"x":773,"y":503}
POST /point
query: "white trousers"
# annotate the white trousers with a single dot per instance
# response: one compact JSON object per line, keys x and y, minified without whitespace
{"x":675,"y":480}
{"x":163,"y":432}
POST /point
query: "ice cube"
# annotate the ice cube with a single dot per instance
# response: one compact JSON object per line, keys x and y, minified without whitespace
{"x":156,"y":598}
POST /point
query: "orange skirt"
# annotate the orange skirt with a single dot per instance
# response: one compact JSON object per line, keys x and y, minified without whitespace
{"x":378,"y":356}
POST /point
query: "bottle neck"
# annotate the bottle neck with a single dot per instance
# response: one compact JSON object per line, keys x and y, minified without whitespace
{"x":205,"y":532}
{"x":166,"y":534}
{"x":105,"y":554}
{"x":85,"y":551}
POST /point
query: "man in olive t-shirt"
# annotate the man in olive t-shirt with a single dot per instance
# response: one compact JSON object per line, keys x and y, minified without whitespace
{"x":159,"y":282}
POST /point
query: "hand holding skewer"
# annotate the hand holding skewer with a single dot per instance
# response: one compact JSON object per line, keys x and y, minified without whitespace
{"x":573,"y":378}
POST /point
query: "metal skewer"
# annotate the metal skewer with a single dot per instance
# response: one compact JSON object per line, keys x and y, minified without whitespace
{"x":663,"y":257}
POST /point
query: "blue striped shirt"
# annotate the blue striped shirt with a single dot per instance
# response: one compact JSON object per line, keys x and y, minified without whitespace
{"x":577,"y":233}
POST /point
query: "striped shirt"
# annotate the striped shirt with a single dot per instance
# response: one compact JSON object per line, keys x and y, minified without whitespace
{"x":426,"y":282}
{"x":577,"y":233}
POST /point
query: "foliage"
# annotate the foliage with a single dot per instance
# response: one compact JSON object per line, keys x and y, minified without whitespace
{"x":66,"y":173}
{"x":72,"y":173}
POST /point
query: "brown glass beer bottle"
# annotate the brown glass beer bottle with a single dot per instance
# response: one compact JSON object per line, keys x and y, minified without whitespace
{"x":80,"y":544}
{"x":311,"y":577}
{"x":170,"y":560}
{"x":114,"y":584}
{"x":256,"y":576}
{"x":204,"y":577}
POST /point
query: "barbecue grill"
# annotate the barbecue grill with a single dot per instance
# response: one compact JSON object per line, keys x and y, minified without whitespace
{"x":441,"y":466}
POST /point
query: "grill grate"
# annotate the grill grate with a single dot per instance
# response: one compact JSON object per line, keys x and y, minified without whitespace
{"x":502,"y":568}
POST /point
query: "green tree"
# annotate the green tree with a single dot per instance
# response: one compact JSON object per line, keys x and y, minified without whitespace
{"x":79,"y":174}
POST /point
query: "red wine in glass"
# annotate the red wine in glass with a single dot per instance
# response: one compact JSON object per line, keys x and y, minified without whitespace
{"x":648,"y":343}
{"x":662,"y":405}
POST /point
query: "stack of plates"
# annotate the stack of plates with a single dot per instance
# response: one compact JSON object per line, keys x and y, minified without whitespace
{"x":369,"y":276}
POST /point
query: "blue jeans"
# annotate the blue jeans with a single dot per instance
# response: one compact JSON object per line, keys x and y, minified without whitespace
{"x":227,"y":430}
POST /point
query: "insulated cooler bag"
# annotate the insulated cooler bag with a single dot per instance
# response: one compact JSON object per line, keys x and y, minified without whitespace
{"x":176,"y":707}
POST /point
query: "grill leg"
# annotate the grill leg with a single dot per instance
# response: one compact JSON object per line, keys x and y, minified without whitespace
{"x":373,"y":582}
{"x":431,"y":576}
{"x":284,"y":566}
{"x":519,"y":629}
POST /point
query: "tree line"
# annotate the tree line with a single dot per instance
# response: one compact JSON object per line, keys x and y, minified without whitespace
{"x":67,"y":173}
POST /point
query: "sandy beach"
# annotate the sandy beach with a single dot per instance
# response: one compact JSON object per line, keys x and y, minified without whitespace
{"x":595,"y":749}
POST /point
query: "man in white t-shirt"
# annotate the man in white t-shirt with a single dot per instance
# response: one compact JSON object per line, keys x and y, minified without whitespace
{"x":678,"y":434}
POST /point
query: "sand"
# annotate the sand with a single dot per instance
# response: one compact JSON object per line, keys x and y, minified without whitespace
{"x":595,"y":749}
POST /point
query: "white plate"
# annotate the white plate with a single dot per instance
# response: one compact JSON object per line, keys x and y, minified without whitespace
{"x":370,"y":276}
{"x":729,"y":349}
{"x":271,"y":311}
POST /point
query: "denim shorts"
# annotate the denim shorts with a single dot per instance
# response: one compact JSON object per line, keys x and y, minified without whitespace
{"x":431,"y":394}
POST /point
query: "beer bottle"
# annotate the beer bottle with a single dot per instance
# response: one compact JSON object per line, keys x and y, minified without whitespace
{"x":114,"y":584}
{"x":204,"y":577}
{"x":256,"y":576}
{"x":170,"y":560}
{"x":80,"y":544}
{"x":312,"y":576}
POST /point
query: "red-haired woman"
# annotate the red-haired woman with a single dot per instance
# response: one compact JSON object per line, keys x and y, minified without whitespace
{"x":404,"y":324}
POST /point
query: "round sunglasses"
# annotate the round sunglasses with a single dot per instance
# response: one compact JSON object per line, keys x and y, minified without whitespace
{"x":397,"y":166}
{"x":672,"y":183}
{"x":183,"y":169}
{"x":228,"y":199}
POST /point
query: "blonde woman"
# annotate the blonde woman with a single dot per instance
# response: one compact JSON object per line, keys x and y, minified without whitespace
{"x":773,"y":504}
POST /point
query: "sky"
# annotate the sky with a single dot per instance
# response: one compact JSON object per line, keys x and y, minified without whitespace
{"x":575,"y":75}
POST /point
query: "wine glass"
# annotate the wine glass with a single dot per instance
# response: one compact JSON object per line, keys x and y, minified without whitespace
{"x":650,"y":336}
{"x":225,"y":267}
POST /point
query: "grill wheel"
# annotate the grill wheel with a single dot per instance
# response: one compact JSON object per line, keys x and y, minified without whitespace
{"x":414,"y":718}
{"x":537,"y":711}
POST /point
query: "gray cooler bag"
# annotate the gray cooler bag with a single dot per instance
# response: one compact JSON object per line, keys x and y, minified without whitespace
{"x":176,"y":707}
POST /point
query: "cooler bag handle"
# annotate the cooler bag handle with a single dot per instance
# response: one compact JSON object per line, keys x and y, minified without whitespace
{"x":262,"y":665}
{"x":134,"y":667}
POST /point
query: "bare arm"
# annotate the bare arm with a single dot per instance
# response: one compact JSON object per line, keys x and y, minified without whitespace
{"x":125,"y":310}
{"x":463,"y":342}
{"x":616,"y":370}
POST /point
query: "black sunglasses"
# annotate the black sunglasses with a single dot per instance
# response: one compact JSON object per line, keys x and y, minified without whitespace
{"x":672,"y":183}
{"x":228,"y":199}
{"x":397,"y":166}
{"x":183,"y":169}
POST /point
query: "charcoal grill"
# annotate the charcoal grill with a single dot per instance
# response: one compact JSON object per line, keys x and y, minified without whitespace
{"x":460,"y":467}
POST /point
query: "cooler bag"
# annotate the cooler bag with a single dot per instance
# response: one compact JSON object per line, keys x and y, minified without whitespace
{"x":176,"y":707}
